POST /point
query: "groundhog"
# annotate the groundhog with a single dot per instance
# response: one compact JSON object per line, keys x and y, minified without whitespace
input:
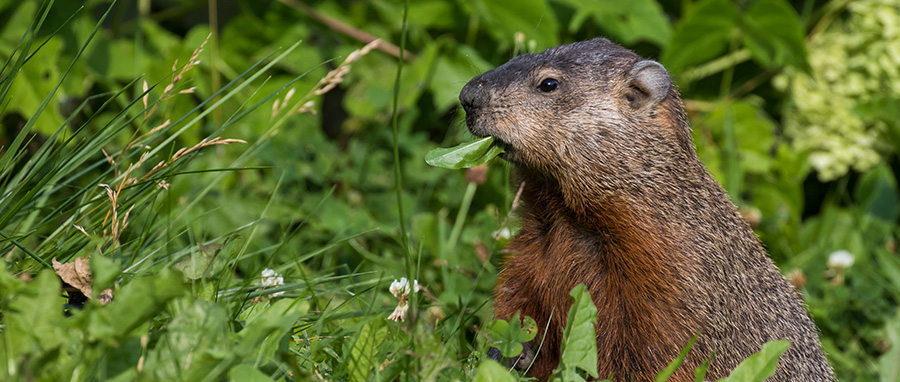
{"x":616,"y":198}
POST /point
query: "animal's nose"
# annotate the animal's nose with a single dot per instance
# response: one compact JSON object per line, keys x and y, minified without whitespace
{"x":472,"y":94}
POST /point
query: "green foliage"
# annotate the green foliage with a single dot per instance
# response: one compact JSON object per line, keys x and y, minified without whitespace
{"x":627,"y":21}
{"x":666,"y":373}
{"x":510,"y":335}
{"x":363,"y":351}
{"x":579,"y":345}
{"x":702,"y":34}
{"x":793,"y":109}
{"x":887,"y":363}
{"x":464,"y":155}
{"x":759,"y":366}
{"x":833,"y":111}
{"x":774,"y":35}
{"x":490,"y":371}
{"x":534,"y":18}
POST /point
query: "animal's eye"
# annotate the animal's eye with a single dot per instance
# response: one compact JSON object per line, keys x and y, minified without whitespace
{"x":548,"y":85}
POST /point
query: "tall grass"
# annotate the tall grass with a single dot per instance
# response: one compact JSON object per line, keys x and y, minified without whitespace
{"x":99,"y":189}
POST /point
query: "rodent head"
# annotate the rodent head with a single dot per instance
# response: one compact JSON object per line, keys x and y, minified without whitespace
{"x":589,"y":108}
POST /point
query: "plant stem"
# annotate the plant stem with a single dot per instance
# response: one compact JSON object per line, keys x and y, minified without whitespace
{"x":216,"y":81}
{"x":461,"y":215}
{"x":395,"y":121}
{"x":398,"y":181}
{"x":730,"y":154}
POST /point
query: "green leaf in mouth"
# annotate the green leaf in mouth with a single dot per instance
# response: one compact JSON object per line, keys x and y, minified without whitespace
{"x":469,"y":154}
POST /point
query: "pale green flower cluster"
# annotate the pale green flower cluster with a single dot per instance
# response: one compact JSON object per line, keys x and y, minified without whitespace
{"x":855,"y":59}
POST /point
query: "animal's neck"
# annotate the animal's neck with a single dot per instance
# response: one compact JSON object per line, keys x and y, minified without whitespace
{"x":632,"y":246}
{"x":642,"y":290}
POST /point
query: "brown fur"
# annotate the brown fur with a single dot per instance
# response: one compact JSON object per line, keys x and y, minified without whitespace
{"x":616,"y":198}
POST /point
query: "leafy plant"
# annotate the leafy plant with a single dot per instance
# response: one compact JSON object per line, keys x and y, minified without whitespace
{"x":579,"y":345}
{"x":510,"y":335}
{"x":759,"y":366}
{"x":465,"y":155}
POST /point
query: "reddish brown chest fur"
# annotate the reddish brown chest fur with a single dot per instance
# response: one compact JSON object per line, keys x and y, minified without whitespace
{"x":643,"y":318}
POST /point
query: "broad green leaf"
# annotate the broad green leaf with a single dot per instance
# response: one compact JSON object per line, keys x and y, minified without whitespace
{"x":889,"y":266}
{"x":34,"y":320}
{"x":883,"y":108}
{"x":33,"y":84}
{"x":774,"y":35}
{"x":121,"y":364}
{"x":248,"y":373}
{"x":200,"y":261}
{"x":195,"y":334}
{"x":508,"y":348}
{"x":275,"y":318}
{"x":533,"y":18}
{"x":432,"y":13}
{"x":104,"y":272}
{"x":491,"y":371}
{"x":9,"y":284}
{"x":759,"y":366}
{"x":469,"y":154}
{"x":627,"y":22}
{"x":677,"y":362}
{"x":510,"y":335}
{"x":700,"y":373}
{"x":703,"y":34}
{"x":454,"y":67}
{"x":135,"y":303}
{"x":887,"y":363}
{"x":579,"y":347}
{"x":754,"y":137}
{"x":362,"y":356}
{"x":113,"y":59}
{"x":876,"y":193}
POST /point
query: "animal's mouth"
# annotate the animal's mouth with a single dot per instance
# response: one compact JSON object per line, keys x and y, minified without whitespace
{"x":507,"y":148}
{"x":498,"y":141}
{"x":481,"y":130}
{"x":508,"y":153}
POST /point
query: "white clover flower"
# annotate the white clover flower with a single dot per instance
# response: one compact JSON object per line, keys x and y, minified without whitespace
{"x":400,"y":290}
{"x":840,"y":259}
{"x":401,"y":287}
{"x":399,"y":313}
{"x":271,"y":279}
{"x":503,"y":233}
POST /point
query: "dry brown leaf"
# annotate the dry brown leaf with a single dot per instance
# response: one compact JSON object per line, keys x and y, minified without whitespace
{"x":78,"y":275}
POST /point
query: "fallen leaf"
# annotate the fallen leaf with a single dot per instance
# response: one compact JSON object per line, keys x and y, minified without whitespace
{"x":77,"y":274}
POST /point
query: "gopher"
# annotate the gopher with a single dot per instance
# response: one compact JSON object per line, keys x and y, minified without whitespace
{"x":616,"y":198}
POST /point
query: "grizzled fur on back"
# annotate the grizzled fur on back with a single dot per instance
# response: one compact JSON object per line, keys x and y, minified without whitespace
{"x":616,"y":198}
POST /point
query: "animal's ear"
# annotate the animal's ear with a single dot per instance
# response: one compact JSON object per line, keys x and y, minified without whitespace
{"x":648,"y":84}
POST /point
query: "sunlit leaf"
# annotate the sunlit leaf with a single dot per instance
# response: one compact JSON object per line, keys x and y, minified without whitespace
{"x":703,"y":34}
{"x":579,"y":346}
{"x":627,"y":22}
{"x":773,"y":33}
{"x":510,"y":335}
{"x":533,"y":18}
{"x":491,"y":371}
{"x":759,"y":366}
{"x":469,"y":154}
{"x":363,"y":353}
{"x":677,"y":362}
